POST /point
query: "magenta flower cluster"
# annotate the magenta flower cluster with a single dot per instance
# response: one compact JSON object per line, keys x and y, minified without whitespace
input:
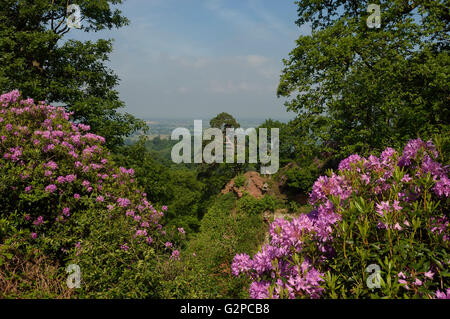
{"x":62,"y":166}
{"x":283,"y":268}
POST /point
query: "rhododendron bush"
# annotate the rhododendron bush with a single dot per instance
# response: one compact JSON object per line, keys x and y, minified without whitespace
{"x":379,"y":228}
{"x":61,"y":192}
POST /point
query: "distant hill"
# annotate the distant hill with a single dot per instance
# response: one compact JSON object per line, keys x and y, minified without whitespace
{"x":164,"y":127}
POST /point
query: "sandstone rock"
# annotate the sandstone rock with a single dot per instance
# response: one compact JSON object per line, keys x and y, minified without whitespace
{"x":255,"y":185}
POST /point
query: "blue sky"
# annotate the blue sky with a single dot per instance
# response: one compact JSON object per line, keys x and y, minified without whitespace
{"x":196,"y":58}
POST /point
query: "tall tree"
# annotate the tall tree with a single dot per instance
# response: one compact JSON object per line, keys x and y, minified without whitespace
{"x":216,"y":175}
{"x":35,"y":59}
{"x":223,"y":121}
{"x":357,"y":88}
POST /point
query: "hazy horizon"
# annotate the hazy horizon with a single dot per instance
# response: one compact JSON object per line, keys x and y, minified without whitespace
{"x":207,"y":118}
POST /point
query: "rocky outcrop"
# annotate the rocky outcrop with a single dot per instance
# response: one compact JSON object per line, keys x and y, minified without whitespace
{"x":255,"y":185}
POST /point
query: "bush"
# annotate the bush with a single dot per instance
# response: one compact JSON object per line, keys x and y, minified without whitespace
{"x":178,"y":188}
{"x":252,"y":206}
{"x":63,"y":195}
{"x":301,"y":179}
{"x":204,"y":269}
{"x":239,"y":180}
{"x":379,"y":228}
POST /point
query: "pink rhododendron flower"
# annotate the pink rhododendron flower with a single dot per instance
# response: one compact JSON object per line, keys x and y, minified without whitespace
{"x":396,"y":205}
{"x":50,"y":188}
{"x":39,"y":221}
{"x":66,"y":211}
{"x":443,"y":295}
{"x":123,"y":202}
{"x":429,"y":274}
{"x":271,"y":270}
{"x":175,"y":255}
{"x":383,"y":207}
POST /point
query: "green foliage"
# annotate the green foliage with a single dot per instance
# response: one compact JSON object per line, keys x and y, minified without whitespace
{"x":293,"y":206}
{"x":354,"y":89}
{"x":357,"y":89}
{"x":10,"y":237}
{"x":223,"y":233}
{"x":61,"y":194}
{"x":289,"y":141}
{"x":223,"y":172}
{"x":253,"y":206}
{"x":162,"y":149}
{"x":150,"y":174}
{"x":178,"y":188}
{"x":299,"y":155}
{"x":216,"y":176}
{"x":223,"y":121}
{"x":109,"y":271}
{"x":35,"y":59}
{"x":417,"y":245}
{"x":239,"y":180}
{"x":413,"y":251}
{"x":301,"y":179}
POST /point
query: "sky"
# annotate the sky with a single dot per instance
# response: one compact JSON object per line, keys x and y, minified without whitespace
{"x":197,"y":58}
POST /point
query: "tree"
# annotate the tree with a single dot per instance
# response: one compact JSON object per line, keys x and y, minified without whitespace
{"x":35,"y":60}
{"x":178,"y":188}
{"x":358,"y":89}
{"x":289,"y":150}
{"x":223,"y":121}
{"x":215,"y":175}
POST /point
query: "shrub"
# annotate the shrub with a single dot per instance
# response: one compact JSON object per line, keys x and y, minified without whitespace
{"x":300,"y":179}
{"x":239,"y":180}
{"x":204,"y":270}
{"x":252,"y":206}
{"x":178,"y":188}
{"x":64,"y":195}
{"x":379,"y":228}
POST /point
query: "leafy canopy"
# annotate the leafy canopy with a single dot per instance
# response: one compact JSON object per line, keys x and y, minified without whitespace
{"x":35,"y":59}
{"x":223,"y":121}
{"x":357,"y":89}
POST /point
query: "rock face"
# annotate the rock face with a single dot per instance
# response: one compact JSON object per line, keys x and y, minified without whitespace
{"x":255,"y":185}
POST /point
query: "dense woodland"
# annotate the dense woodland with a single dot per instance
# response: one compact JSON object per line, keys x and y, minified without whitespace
{"x":363,"y":175}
